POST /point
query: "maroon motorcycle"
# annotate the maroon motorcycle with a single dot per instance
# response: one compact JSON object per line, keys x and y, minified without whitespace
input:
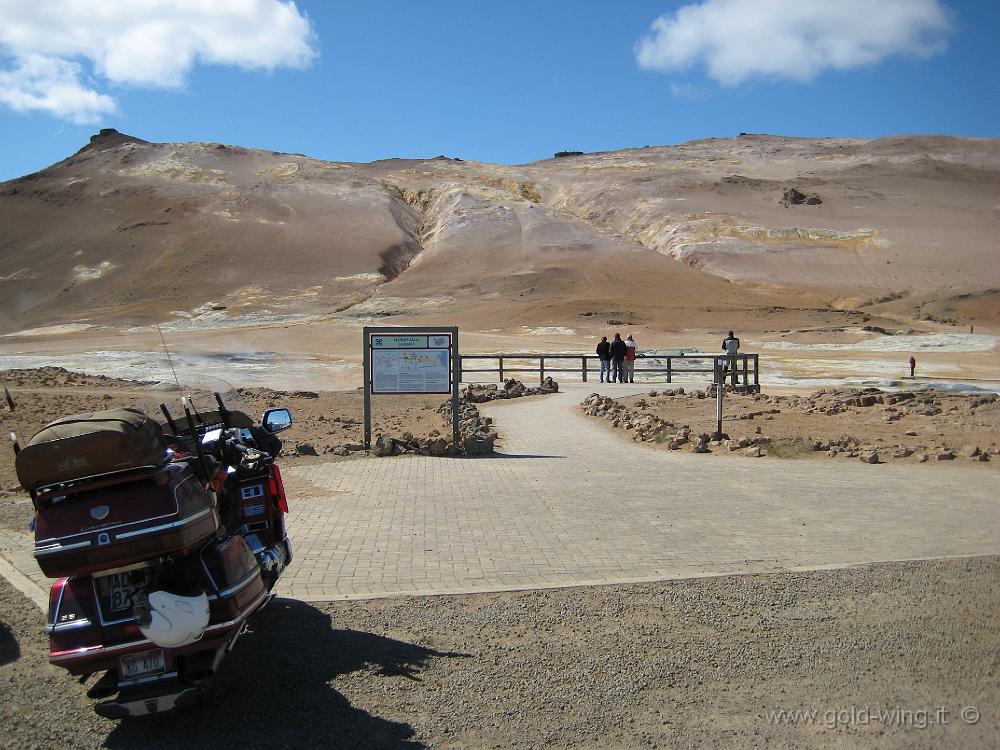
{"x":165,"y":535}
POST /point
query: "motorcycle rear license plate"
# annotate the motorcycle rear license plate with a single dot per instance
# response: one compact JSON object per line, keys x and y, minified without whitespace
{"x":142,"y":664}
{"x":119,"y":588}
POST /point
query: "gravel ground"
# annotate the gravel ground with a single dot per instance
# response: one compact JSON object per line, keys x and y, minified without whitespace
{"x":694,"y":663}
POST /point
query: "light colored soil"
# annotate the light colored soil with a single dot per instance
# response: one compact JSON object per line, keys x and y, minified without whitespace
{"x":697,"y":663}
{"x":808,"y":426}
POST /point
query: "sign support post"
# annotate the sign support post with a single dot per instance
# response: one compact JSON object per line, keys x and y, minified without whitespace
{"x":411,"y":360}
{"x":720,"y":387}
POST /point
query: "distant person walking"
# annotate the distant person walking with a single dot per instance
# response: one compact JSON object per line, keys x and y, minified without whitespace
{"x":618,"y":350}
{"x":630,"y":352}
{"x":913,"y":366}
{"x":731,"y":346}
{"x":604,"y":354}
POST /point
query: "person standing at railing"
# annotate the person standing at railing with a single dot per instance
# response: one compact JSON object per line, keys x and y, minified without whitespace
{"x":630,"y":352}
{"x":618,"y":350}
{"x":604,"y":354}
{"x":731,"y":346}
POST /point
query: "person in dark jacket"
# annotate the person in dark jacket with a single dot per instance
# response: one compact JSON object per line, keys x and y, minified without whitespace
{"x":618,"y":350}
{"x":604,"y":354}
{"x":731,"y":346}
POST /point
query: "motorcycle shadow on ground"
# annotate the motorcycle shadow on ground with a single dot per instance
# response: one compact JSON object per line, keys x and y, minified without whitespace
{"x":274,"y":690}
{"x":10,"y":651}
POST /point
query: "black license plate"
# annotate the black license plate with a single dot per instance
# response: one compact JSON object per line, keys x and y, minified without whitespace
{"x":118,"y":589}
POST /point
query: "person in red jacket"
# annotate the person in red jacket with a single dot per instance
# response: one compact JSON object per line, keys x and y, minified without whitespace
{"x":913,"y":365}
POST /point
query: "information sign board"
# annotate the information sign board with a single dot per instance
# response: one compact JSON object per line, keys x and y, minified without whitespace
{"x":411,"y":371}
{"x":411,"y":360}
{"x":411,"y":364}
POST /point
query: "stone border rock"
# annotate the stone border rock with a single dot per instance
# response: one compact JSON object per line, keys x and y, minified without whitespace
{"x":481,"y":393}
{"x":649,"y":428}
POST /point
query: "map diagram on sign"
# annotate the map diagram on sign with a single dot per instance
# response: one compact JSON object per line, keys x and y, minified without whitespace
{"x":411,"y":371}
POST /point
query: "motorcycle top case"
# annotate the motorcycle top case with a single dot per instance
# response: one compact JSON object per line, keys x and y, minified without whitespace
{"x":89,"y":445}
{"x":148,"y":514}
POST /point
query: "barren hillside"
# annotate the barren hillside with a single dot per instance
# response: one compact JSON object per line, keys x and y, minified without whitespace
{"x":127,"y":232}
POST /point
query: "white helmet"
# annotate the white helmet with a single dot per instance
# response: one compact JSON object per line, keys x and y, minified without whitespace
{"x":175,"y":620}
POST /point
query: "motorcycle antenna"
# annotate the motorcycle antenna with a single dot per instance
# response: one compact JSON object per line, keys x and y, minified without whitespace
{"x":170,"y":361}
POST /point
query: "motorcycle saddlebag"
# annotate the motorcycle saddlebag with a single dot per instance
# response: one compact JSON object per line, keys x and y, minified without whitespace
{"x":155,"y":513}
{"x":88,"y":445}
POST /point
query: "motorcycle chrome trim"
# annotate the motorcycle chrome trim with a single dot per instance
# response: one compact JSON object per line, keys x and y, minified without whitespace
{"x":137,"y":645}
{"x":163,"y":527}
{"x":238,"y":586}
{"x":73,"y":652}
{"x":62,"y":584}
{"x":53,"y":548}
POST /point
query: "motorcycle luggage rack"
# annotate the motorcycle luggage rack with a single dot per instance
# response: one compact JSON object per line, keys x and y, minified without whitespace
{"x":98,"y":481}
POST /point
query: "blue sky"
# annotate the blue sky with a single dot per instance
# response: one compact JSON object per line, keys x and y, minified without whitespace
{"x":502,"y":82}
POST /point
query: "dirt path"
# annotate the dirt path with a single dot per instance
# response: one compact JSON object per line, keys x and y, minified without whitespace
{"x":704,"y":663}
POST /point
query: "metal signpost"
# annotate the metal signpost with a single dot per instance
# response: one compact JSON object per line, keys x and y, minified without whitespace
{"x":408,"y":360}
{"x":720,"y":387}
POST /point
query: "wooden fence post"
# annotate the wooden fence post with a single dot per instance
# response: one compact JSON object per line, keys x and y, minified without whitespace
{"x":583,"y":368}
{"x":501,"y":368}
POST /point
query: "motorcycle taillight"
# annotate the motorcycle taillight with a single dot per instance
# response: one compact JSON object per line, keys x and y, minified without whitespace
{"x":67,"y":606}
{"x":278,"y":489}
{"x":55,"y":596}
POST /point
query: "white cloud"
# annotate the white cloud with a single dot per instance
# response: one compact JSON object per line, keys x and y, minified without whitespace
{"x":793,"y":39}
{"x":54,"y":86}
{"x":49,"y":46}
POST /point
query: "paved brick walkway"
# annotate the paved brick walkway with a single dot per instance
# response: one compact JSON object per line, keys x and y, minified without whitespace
{"x":567,"y":502}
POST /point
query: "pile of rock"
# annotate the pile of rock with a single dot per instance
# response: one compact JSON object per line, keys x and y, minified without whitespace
{"x":407,"y":444}
{"x":479,"y":394}
{"x":476,"y":432}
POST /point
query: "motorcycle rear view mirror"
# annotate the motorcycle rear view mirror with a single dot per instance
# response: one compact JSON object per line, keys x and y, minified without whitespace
{"x":276,"y":420}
